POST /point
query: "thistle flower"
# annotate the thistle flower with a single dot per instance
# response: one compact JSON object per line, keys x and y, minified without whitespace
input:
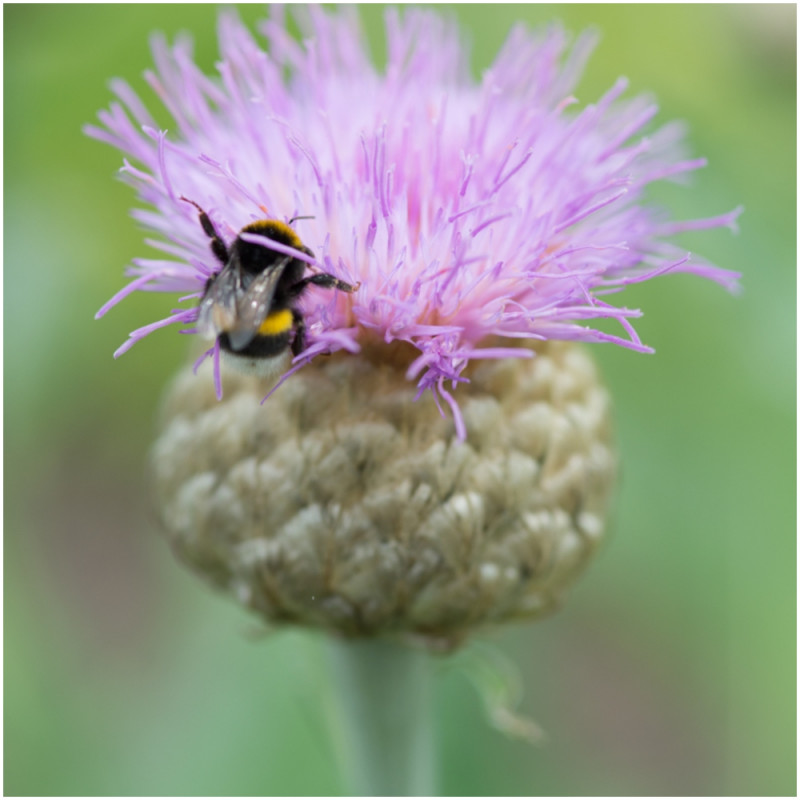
{"x":475,"y":218}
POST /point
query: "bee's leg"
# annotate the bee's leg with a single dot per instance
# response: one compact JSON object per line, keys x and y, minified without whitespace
{"x":324,"y":280}
{"x":218,"y":247}
{"x":299,"y":341}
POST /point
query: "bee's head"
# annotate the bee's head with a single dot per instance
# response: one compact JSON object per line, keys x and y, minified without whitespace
{"x":255,"y":257}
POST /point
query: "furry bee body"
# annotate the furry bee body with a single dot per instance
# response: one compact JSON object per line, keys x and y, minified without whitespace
{"x":250,"y":305}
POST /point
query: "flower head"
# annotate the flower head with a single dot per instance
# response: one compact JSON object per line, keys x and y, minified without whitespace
{"x":458,"y":230}
{"x":467,"y":212}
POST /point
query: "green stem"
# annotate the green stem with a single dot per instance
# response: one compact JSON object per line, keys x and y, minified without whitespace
{"x":383,"y":723}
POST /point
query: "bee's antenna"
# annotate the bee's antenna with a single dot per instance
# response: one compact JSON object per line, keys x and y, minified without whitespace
{"x":294,"y":219}
{"x":187,"y":200}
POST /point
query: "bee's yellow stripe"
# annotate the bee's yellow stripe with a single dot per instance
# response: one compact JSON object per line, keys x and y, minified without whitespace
{"x":275,"y":229}
{"x":276,"y":323}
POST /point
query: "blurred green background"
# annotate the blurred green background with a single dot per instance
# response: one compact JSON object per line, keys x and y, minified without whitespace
{"x":671,"y":670}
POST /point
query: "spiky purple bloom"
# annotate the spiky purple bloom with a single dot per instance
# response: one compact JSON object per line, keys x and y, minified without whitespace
{"x":468,"y":212}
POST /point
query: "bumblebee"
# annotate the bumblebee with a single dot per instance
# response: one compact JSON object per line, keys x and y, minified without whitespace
{"x":249,"y":305}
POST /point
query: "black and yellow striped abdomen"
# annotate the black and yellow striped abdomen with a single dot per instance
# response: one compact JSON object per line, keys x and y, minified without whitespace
{"x":274,"y":335}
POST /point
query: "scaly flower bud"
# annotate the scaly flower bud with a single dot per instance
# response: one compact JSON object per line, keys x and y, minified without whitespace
{"x":342,"y":503}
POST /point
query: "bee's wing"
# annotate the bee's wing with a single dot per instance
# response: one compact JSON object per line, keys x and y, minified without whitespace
{"x":218,"y":310}
{"x":254,"y":305}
